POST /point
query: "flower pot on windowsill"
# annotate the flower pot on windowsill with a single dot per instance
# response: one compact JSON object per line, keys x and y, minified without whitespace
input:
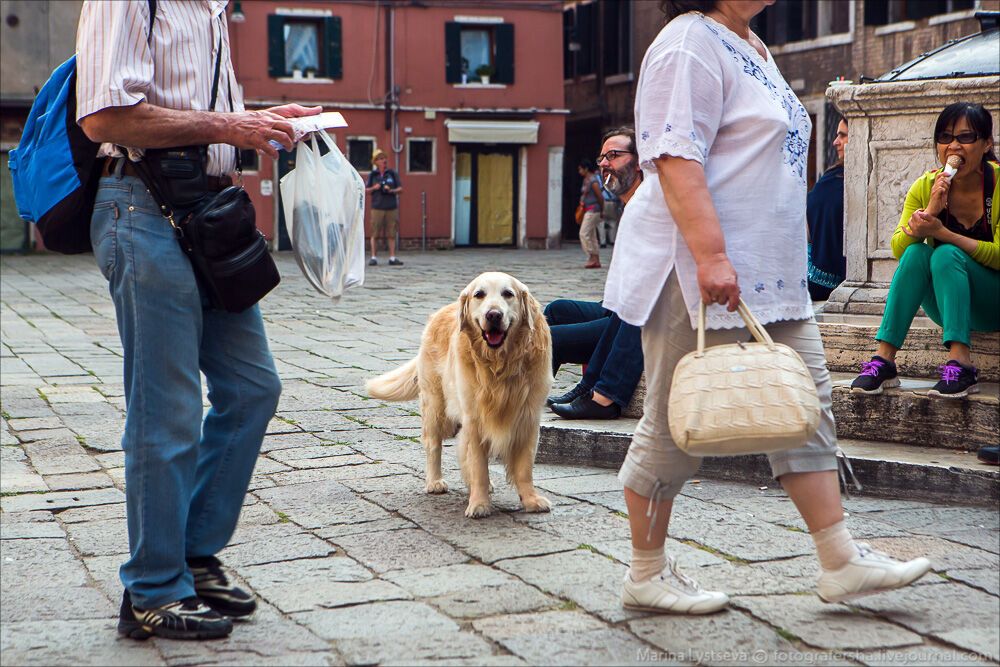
{"x":484,"y":79}
{"x":310,"y":73}
{"x":296,"y":74}
{"x":484,"y":72}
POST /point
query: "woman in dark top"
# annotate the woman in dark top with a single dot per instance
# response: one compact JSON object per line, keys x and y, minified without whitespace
{"x":825,"y":217}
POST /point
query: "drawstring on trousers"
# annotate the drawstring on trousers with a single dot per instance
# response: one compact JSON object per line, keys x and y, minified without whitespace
{"x":653,"y":508}
{"x":844,"y":470}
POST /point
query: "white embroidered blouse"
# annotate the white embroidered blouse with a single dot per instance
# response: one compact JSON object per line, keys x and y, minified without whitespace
{"x":705,"y":94}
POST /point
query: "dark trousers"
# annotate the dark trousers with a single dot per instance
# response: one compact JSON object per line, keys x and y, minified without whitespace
{"x":584,"y":332}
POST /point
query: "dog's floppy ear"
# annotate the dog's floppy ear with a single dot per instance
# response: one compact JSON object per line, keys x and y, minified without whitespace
{"x":463,"y":307}
{"x":528,"y":304}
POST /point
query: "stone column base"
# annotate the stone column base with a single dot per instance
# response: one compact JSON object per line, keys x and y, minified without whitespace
{"x":858,"y":298}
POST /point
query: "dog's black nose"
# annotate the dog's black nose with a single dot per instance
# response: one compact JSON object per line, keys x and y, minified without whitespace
{"x":494,"y":317}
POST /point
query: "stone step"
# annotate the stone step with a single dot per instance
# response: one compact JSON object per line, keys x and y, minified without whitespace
{"x":849,"y":340}
{"x":905,"y":415}
{"x":883,"y":469}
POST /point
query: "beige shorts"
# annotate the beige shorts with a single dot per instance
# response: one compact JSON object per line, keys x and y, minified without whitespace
{"x":385,"y":222}
{"x":654,"y":464}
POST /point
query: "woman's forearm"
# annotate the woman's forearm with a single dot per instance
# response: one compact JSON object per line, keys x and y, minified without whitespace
{"x":963,"y":243}
{"x":687,"y":197}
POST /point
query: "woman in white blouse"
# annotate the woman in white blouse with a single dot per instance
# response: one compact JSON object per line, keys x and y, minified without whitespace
{"x":723,"y":141}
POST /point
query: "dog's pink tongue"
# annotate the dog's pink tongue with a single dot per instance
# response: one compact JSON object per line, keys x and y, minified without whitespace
{"x":494,"y":337}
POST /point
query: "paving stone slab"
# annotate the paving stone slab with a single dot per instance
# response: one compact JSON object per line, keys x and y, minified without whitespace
{"x":376,"y":619}
{"x":340,"y":473}
{"x":481,"y":601}
{"x":729,"y":637}
{"x":936,"y":609}
{"x":17,"y":477}
{"x":985,"y":580}
{"x":383,"y":551}
{"x":93,"y":513}
{"x":39,"y":602}
{"x":944,"y":555}
{"x":31,"y":530}
{"x":746,"y":538}
{"x":440,"y":581}
{"x":574,"y":486}
{"x":99,"y":538}
{"x":257,"y":545}
{"x":920,"y":655}
{"x":595,"y":527}
{"x":332,"y":533}
{"x":266,"y":634}
{"x":564,"y":638}
{"x":60,"y":642}
{"x":79,"y":481}
{"x":38,"y":562}
{"x":590,"y":580}
{"x":982,"y":640}
{"x":488,"y":539}
{"x":403,"y":649}
{"x":321,"y":504}
{"x":829,"y":626}
{"x":689,"y":558}
{"x":310,"y":452}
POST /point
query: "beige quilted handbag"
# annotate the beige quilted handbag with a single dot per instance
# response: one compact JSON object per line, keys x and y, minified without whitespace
{"x":742,"y":398}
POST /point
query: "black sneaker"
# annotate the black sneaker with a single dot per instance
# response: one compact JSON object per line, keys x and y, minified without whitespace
{"x":213,"y":587}
{"x":570,"y":396}
{"x":876,"y":375}
{"x":957,"y":381}
{"x":185,"y":619}
{"x":989,"y":455}
{"x":395,"y":262}
{"x":373,"y":262}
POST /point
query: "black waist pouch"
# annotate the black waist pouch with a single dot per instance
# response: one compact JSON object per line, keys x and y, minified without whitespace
{"x":217,"y":230}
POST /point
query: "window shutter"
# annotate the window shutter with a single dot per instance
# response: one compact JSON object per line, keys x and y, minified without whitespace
{"x":334,"y":50}
{"x":453,"y":52}
{"x":505,"y":53}
{"x":276,"y":46}
{"x":876,"y":13}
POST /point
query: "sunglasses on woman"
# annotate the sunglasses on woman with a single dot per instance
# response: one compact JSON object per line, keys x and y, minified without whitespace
{"x":962,"y":137}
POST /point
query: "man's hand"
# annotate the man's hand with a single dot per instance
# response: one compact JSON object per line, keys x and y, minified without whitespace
{"x":294,"y":110}
{"x":717,"y":282}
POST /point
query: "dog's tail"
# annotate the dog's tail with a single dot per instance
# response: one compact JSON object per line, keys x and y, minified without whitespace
{"x":396,"y":385}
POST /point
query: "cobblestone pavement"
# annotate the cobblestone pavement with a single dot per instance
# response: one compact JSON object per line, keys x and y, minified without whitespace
{"x":354,"y":564}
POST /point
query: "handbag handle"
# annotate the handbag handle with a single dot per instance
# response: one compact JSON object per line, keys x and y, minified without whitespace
{"x":756,"y":329}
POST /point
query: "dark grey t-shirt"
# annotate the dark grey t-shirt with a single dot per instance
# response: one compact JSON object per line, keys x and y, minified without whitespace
{"x":384,"y":201}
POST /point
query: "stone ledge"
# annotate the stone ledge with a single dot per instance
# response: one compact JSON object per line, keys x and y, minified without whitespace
{"x":884,"y":469}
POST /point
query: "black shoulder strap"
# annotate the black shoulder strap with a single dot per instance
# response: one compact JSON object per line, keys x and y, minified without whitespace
{"x":989,"y":183}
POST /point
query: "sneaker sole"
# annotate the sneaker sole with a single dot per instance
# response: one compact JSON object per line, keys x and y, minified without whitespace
{"x":661,"y":610}
{"x":142,"y":632}
{"x":888,"y":384}
{"x":974,"y":389}
{"x":874,"y":591}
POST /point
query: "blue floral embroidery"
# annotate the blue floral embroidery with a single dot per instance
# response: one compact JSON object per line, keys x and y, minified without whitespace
{"x":804,"y":283}
{"x":668,"y":128}
{"x":796,"y":145}
{"x":693,"y":137}
{"x":645,"y":135}
{"x":759,"y":287}
{"x":781,"y":284}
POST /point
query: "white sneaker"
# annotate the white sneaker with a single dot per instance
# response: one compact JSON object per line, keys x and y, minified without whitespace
{"x":671,"y":591}
{"x":867,"y":573}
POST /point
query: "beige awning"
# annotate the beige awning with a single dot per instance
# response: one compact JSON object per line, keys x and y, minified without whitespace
{"x":492,"y":131}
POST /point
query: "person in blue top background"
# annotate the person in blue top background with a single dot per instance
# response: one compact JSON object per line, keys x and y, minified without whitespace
{"x":825,"y":217}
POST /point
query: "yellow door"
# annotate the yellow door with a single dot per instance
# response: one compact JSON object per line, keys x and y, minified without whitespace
{"x":495,"y":198}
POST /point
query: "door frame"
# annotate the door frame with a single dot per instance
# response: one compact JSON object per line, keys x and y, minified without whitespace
{"x":475,"y":149}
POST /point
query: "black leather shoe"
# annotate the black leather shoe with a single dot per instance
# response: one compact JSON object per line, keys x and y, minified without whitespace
{"x":570,"y":396}
{"x":989,"y":455}
{"x":584,"y":407}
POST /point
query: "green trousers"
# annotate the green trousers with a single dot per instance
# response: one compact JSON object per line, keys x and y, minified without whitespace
{"x":958,"y":293}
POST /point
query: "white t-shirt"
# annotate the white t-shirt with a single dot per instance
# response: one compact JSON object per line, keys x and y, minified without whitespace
{"x":705,"y":94}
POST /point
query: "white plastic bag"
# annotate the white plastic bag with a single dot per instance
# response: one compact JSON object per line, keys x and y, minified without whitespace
{"x":324,"y":203}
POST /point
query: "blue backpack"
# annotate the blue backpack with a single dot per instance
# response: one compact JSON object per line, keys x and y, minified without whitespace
{"x":54,"y":167}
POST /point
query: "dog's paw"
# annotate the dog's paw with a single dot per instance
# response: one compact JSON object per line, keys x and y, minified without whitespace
{"x":537,"y":504}
{"x":478,"y":510}
{"x":436,"y":487}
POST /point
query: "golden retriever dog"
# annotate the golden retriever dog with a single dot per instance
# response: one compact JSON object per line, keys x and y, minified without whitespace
{"x":485,"y":365}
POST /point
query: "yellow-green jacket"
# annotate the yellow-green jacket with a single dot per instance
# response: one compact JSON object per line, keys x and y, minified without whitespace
{"x":987,"y":253}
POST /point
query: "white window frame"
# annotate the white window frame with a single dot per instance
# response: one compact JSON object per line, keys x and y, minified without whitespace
{"x":433,"y":141}
{"x":359,"y":137}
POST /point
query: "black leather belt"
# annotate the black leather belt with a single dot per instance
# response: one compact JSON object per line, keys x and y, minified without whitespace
{"x":215,"y":183}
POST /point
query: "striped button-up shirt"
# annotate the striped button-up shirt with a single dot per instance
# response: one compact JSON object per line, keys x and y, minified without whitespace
{"x":119,"y":64}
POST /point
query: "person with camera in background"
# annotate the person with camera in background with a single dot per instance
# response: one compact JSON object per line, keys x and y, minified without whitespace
{"x":384,"y":186}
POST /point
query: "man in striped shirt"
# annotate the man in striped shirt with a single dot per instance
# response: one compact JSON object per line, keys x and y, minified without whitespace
{"x":143,"y":84}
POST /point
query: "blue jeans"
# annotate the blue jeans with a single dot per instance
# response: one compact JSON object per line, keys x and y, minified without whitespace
{"x":584,"y":332}
{"x":185,"y":476}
